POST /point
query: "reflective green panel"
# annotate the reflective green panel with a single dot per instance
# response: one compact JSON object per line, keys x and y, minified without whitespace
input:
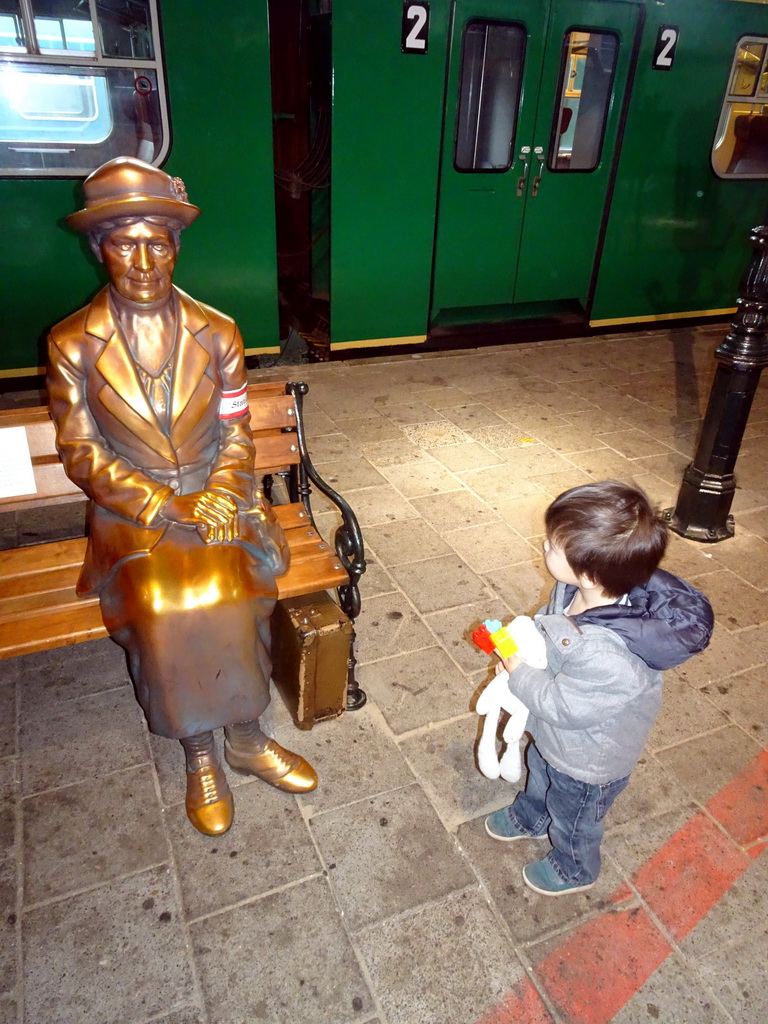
{"x":63,"y":26}
{"x":491,"y":74}
{"x":589,"y":61}
{"x":741,"y":142}
{"x":58,"y":117}
{"x":125,"y":28}
{"x":12,"y":35}
{"x":746,"y":69}
{"x":741,"y":147}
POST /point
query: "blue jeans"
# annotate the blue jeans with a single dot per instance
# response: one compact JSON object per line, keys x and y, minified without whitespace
{"x":570,"y":811}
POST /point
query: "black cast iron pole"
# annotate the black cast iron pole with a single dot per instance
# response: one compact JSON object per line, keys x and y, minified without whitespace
{"x":703,"y":505}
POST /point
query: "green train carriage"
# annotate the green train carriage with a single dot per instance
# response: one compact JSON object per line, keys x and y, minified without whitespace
{"x":647,"y":228}
{"x":382,"y":173}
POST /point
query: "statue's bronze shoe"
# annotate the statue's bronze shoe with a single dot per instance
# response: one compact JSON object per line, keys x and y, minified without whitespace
{"x":209,"y":803}
{"x":276,"y":765}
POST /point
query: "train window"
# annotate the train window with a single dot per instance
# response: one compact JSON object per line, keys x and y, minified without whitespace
{"x":489,"y":93}
{"x":586,"y":77}
{"x":741,"y":141}
{"x":80,"y":83}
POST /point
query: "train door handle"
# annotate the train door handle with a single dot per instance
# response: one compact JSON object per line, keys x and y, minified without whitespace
{"x":524,"y":153}
{"x":539,"y":152}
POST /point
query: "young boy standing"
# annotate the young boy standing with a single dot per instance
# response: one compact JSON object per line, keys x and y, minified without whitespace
{"x":613,"y":622}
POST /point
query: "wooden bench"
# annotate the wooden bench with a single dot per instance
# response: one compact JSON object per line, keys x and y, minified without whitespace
{"x":39,"y":608}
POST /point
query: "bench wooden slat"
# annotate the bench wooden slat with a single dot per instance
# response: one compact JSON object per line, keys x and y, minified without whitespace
{"x":271,"y":413}
{"x":41,"y":438}
{"x":304,"y":547}
{"x":275,"y":451}
{"x":293,"y":515}
{"x":53,"y":488}
{"x":53,"y":482}
{"x":22,"y":606}
{"x":307,"y":576}
{"x":52,"y":628}
{"x":25,"y":417}
{"x":263,"y":388}
{"x":48,"y":581}
{"x":41,"y":557}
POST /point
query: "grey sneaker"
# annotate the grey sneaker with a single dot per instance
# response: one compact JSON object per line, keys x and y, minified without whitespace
{"x":499,"y":826}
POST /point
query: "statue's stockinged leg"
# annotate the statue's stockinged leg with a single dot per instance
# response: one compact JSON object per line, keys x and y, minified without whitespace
{"x":209,"y":802}
{"x":250,"y":751}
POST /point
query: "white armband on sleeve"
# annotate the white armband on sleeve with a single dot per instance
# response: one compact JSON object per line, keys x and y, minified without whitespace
{"x":233,"y":403}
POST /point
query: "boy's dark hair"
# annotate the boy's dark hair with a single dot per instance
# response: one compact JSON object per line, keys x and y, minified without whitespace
{"x":608,"y":531}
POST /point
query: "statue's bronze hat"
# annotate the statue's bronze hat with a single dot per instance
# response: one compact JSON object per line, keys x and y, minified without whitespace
{"x":127,"y":187}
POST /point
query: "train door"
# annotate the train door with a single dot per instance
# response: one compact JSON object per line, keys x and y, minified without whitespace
{"x":532,"y":114}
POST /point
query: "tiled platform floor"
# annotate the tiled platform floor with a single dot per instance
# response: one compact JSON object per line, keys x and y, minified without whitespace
{"x":379,"y":899}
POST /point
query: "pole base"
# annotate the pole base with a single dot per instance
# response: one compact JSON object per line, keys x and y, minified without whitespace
{"x":703,"y":507}
{"x":356,"y":699}
{"x":703,"y":534}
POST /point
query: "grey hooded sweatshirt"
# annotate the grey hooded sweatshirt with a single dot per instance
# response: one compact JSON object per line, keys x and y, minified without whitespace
{"x":592,"y":708}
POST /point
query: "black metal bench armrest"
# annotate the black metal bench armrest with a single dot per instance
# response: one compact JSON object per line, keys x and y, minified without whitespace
{"x":348,"y":539}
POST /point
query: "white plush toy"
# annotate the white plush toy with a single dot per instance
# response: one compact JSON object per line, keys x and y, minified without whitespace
{"x":531,"y":648}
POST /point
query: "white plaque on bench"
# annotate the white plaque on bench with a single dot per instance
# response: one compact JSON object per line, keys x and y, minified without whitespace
{"x":16,"y":474}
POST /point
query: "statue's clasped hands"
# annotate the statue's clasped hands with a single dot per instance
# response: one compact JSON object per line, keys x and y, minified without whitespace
{"x":214,"y":515}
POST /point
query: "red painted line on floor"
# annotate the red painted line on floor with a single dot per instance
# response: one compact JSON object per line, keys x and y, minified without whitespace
{"x":603,"y":963}
{"x":741,"y":807}
{"x":689,"y":874}
{"x":522,"y":1004}
{"x":755,"y":851}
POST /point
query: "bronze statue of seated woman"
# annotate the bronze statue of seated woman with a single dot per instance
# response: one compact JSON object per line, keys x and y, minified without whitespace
{"x":147,"y":388}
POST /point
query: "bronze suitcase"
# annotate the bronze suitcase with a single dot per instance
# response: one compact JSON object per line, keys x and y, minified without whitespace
{"x":310,"y":651}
